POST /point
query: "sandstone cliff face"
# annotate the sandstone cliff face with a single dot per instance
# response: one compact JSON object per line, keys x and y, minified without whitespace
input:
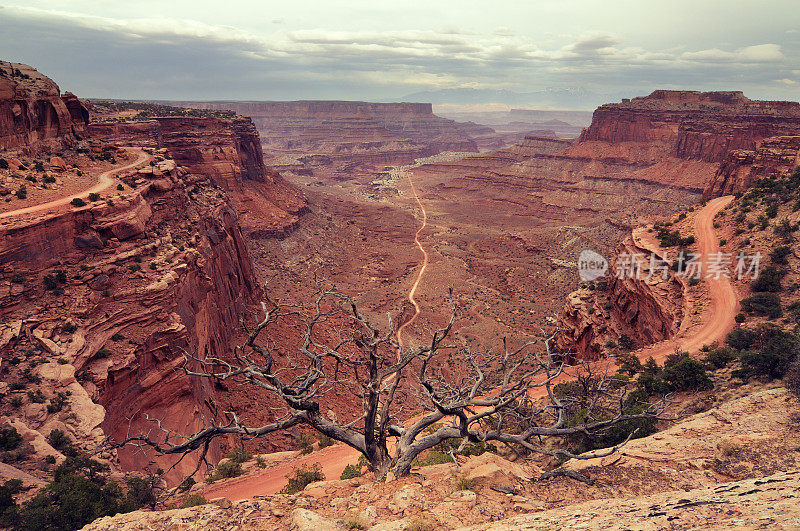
{"x":741,"y":168}
{"x":646,"y":310}
{"x":690,"y":125}
{"x":33,"y":114}
{"x":228,"y":151}
{"x":190,"y":292}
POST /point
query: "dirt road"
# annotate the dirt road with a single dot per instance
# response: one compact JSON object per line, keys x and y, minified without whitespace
{"x":105,"y":181}
{"x":723,"y":304}
{"x":424,"y":266}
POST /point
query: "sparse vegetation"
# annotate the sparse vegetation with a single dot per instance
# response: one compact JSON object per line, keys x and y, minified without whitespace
{"x":302,"y":477}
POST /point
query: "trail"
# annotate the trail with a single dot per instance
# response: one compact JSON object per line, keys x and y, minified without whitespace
{"x":421,"y":272}
{"x":723,"y":304}
{"x":105,"y":181}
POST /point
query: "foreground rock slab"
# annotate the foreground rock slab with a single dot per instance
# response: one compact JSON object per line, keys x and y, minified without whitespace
{"x":766,"y":503}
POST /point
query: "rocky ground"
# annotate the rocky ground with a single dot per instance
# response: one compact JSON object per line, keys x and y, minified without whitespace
{"x":733,"y":465}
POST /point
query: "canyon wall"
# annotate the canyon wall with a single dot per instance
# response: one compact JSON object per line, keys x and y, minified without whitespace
{"x":229,"y":152}
{"x":741,"y":168}
{"x":693,"y":125}
{"x":350,"y":139}
{"x":33,"y":114}
{"x":122,"y":363}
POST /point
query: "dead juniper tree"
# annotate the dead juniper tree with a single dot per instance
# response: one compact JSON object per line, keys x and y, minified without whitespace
{"x":411,"y":399}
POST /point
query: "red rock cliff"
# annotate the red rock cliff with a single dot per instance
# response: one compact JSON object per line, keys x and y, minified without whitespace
{"x":693,"y":125}
{"x":228,"y":151}
{"x":33,"y":114}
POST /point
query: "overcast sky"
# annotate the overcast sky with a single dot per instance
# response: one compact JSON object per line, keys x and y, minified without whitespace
{"x":383,"y":50}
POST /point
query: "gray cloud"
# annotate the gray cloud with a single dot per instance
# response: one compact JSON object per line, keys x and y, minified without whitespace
{"x":184,"y":59}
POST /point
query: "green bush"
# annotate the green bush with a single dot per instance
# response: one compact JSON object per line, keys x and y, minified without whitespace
{"x":776,"y":352}
{"x":48,"y":179}
{"x":237,"y":455}
{"x":59,"y":440}
{"x":780,"y":254}
{"x":768,"y":280}
{"x":305,"y":443}
{"x":193,"y":500}
{"x":22,"y":192}
{"x":94,"y":197}
{"x":78,"y":495}
{"x":10,"y":439}
{"x":69,"y":327}
{"x":625,"y":342}
{"x":720,"y":357}
{"x":302,"y":477}
{"x":350,"y":472}
{"x":740,"y":318}
{"x":77,"y":202}
{"x":768,"y":304}
{"x":325,"y":441}
{"x":228,"y":469}
{"x":684,"y":373}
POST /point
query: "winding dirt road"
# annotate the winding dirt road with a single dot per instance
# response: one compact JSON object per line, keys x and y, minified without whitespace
{"x":106,"y":180}
{"x":723,"y":304}
{"x":421,"y":272}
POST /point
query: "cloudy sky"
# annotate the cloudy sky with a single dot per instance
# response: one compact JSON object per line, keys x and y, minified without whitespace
{"x":385,"y":50}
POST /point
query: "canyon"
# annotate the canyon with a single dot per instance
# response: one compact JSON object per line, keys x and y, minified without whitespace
{"x":185,"y":223}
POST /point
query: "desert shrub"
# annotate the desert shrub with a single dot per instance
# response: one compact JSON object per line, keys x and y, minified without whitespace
{"x":693,"y":281}
{"x":78,"y":494}
{"x":142,"y":491}
{"x":77,"y":202}
{"x":771,"y":211}
{"x":135,"y":267}
{"x":768,"y":304}
{"x":228,"y":469}
{"x":10,"y":439}
{"x":720,"y":357}
{"x":742,"y":338}
{"x":305,"y":443}
{"x":350,"y":472}
{"x":740,"y":318}
{"x":628,"y":363}
{"x":36,"y":397}
{"x":3,"y":164}
{"x":465,"y":483}
{"x":117,"y":337}
{"x":776,"y":351}
{"x":59,"y":440}
{"x":625,"y":342}
{"x":780,"y":254}
{"x":324,"y":441}
{"x":22,"y":192}
{"x":94,"y":197}
{"x":49,"y":179}
{"x":683,"y":373}
{"x":120,"y":187}
{"x":69,"y":327}
{"x":433,"y":457}
{"x":354,"y":522}
{"x":193,"y":500}
{"x":769,"y":279}
{"x":261,"y":462}
{"x":9,"y":512}
{"x":302,"y":477}
{"x":102,"y":353}
{"x":238,"y":455}
{"x":38,"y":165}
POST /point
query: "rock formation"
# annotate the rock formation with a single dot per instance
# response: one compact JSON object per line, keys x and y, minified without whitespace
{"x":693,"y":125}
{"x":33,"y":112}
{"x":228,"y":151}
{"x":742,"y":167}
{"x":350,"y":139}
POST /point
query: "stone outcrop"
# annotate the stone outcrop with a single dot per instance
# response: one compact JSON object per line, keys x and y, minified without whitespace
{"x":228,"y":151}
{"x":693,"y":125}
{"x":33,"y":113}
{"x":646,"y":310}
{"x":189,"y":294}
{"x":741,"y":168}
{"x":350,"y":139}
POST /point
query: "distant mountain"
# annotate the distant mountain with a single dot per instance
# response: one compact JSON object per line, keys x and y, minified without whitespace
{"x":579,"y":99}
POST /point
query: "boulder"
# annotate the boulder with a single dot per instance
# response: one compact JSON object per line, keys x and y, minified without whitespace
{"x":305,"y":520}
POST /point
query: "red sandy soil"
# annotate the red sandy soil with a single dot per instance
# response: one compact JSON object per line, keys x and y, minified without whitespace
{"x":717,"y":322}
{"x":105,"y":181}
